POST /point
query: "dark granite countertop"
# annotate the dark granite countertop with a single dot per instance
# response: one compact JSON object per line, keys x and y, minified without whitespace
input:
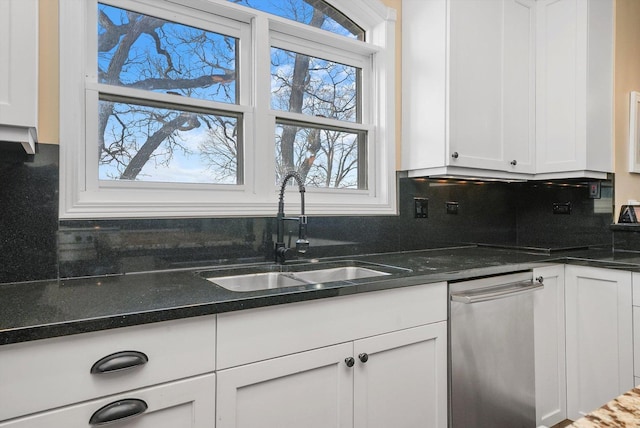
{"x":44,"y":309}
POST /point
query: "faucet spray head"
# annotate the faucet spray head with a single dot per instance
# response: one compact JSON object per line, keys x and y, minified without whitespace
{"x":302,"y":244}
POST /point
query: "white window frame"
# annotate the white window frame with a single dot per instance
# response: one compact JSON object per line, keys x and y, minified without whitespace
{"x":83,"y":196}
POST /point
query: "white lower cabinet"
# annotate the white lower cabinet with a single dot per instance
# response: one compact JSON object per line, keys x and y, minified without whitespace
{"x":549,"y":336}
{"x":636,"y":328}
{"x":310,"y":389}
{"x":403,"y":382}
{"x":584,"y":345}
{"x":599,"y":332}
{"x":188,"y":403}
{"x":161,"y":372}
{"x":370,"y":360}
{"x":636,"y":343}
{"x":392,"y":380}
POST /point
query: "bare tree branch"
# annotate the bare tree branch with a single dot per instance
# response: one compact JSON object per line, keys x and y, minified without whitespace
{"x":183,"y":122}
{"x":198,"y":82}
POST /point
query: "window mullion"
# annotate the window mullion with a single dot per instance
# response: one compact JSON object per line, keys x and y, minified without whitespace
{"x":264,"y":127}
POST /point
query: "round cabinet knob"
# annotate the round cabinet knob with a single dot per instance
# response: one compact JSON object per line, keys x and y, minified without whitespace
{"x":363,"y":357}
{"x":514,"y":162}
{"x":540,"y":279}
{"x":455,"y":155}
{"x":349,"y":361}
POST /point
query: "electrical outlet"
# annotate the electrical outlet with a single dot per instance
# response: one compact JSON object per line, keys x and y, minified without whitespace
{"x":420,"y":207}
{"x":452,"y":207}
{"x":594,"y":190}
{"x":562,"y":207}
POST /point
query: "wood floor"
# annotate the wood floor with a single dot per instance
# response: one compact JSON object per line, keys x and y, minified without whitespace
{"x":563,"y":424}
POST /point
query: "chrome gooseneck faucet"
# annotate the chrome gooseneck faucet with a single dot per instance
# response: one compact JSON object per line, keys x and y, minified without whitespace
{"x":302,"y":244}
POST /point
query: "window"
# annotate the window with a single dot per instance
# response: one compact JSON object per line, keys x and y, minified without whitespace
{"x":199,"y":107}
{"x":324,"y":156}
{"x":164,"y":139}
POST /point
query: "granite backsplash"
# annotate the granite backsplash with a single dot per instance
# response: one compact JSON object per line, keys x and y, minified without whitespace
{"x":626,"y":237}
{"x":35,"y":244}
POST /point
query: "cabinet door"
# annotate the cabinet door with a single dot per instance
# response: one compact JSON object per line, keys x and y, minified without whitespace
{"x":636,"y":327}
{"x":475,"y":89}
{"x":403,"y":381}
{"x":574,"y":85}
{"x":518,"y":86}
{"x":560,"y":88}
{"x":550,"y":357}
{"x":189,"y":403}
{"x":18,"y":62}
{"x":492,"y":63}
{"x":599,"y":337}
{"x":312,"y":389}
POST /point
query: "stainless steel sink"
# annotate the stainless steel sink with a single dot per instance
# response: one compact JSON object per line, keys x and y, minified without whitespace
{"x":277,"y":276}
{"x":345,"y":273}
{"x":256,"y":281}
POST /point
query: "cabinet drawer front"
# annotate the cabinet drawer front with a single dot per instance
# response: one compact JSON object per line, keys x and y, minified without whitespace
{"x":636,"y":288}
{"x":187,"y":403}
{"x":258,"y":334}
{"x":43,"y":374}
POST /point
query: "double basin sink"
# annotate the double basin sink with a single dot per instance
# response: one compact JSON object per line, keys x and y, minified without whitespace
{"x":266,"y":277}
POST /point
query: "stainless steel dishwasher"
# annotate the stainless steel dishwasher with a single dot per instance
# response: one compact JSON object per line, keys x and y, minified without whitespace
{"x":491,"y":351}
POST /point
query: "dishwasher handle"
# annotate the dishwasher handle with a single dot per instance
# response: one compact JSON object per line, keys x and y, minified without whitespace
{"x":498,"y":292}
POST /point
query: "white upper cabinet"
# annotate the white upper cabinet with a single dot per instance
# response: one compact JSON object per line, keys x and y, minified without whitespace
{"x":574,"y":79}
{"x":468,"y":87}
{"x":19,"y":72}
{"x":508,"y":89}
